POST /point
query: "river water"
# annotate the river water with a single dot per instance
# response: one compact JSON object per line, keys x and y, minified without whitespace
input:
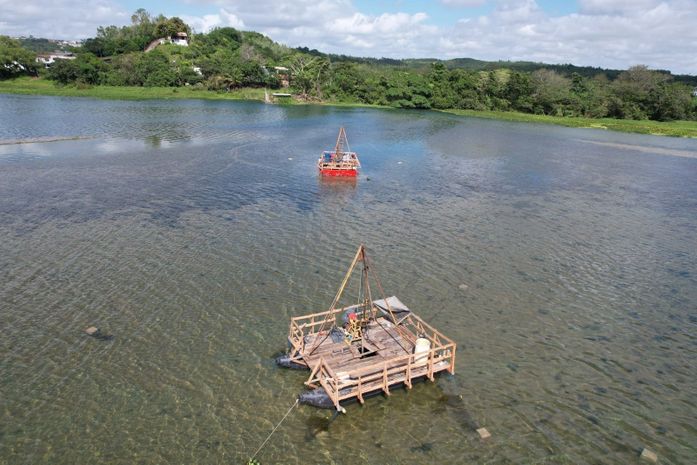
{"x":562,"y":261}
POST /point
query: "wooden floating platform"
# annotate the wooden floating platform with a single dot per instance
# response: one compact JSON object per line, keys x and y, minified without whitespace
{"x":379,"y":345}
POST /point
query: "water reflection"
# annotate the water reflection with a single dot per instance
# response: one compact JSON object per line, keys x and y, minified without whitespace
{"x":337,"y":192}
{"x":336,"y":185}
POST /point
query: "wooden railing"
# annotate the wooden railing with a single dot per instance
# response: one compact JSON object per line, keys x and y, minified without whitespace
{"x":382,"y":375}
{"x":307,"y":325}
{"x":415,"y":325}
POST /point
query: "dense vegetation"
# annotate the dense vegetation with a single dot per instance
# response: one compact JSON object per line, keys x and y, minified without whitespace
{"x":226,"y":59}
{"x":40,"y":45}
{"x":15,"y":60}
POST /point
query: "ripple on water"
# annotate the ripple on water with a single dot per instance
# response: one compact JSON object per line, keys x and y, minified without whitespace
{"x":565,"y":270}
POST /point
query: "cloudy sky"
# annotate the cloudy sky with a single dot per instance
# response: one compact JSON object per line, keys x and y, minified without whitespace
{"x":607,"y":33}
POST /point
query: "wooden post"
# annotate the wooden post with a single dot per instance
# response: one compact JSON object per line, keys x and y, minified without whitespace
{"x":385,"y":387}
{"x":408,"y":380}
{"x":314,"y":371}
{"x":336,"y":394}
{"x":360,"y":390}
{"x":430,"y":365}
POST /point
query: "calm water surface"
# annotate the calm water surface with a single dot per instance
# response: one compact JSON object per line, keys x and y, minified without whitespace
{"x":562,"y":261}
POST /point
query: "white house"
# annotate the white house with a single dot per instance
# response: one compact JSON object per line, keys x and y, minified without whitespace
{"x":48,"y":59}
{"x":180,"y":38}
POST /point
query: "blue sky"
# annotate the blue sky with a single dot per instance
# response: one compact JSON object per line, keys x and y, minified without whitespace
{"x":607,"y":33}
{"x":443,"y":15}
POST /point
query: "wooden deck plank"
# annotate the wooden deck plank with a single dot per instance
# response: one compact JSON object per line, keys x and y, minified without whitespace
{"x":347,"y":373}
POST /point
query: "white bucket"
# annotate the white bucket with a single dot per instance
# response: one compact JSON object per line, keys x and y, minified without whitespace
{"x":421,"y":349}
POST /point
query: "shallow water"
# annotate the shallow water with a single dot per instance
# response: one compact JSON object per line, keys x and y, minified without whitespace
{"x":562,"y":261}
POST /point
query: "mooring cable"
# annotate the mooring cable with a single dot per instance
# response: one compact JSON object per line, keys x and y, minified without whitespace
{"x":274,"y":429}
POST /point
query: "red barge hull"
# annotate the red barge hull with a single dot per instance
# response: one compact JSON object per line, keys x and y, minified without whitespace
{"x":338,"y":172}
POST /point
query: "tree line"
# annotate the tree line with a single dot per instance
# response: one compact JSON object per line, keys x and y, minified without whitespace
{"x":226,"y":58}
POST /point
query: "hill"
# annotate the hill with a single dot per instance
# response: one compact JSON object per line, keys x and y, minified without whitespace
{"x":226,"y":58}
{"x":473,"y":64}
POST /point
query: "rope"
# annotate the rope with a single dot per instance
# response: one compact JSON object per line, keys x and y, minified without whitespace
{"x":274,"y":429}
{"x":361,"y":251}
{"x":397,"y":327}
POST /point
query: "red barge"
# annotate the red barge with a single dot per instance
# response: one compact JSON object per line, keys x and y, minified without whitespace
{"x":340,"y":161}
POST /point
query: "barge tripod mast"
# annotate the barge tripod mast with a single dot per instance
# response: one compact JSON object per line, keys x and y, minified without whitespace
{"x":341,"y":142}
{"x":366,"y":305}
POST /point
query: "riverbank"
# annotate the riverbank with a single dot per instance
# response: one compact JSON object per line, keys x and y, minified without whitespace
{"x":656,"y":128}
{"x":30,"y":86}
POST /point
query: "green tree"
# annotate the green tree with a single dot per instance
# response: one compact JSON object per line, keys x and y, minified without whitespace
{"x":407,"y":90}
{"x":222,"y":69}
{"x":551,"y":92}
{"x":98,"y":46}
{"x":154,"y":69}
{"x":142,"y":30}
{"x":635,"y":92}
{"x":670,"y":101}
{"x":443,"y":94}
{"x":597,"y":97}
{"x":87,"y":69}
{"x":169,"y":27}
{"x":225,"y":37}
{"x":123,"y":70}
{"x":493,"y":87}
{"x":309,"y":74}
{"x":347,"y":82}
{"x":113,"y":40}
{"x":518,"y":91}
{"x":90,"y":68}
{"x":15,"y":60}
{"x":64,"y":72}
{"x":464,"y":85}
{"x":643,"y":93}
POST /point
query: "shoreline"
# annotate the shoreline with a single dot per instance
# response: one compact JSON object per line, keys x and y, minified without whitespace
{"x":686,"y":129}
{"x":40,"y":86}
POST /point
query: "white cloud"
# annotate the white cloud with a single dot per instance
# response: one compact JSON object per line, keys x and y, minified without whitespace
{"x":207,"y":22}
{"x":283,"y":14}
{"x":613,"y":7}
{"x":517,"y":11}
{"x":358,"y":43}
{"x":383,"y":24}
{"x":333,"y":26}
{"x":59,"y":19}
{"x":614,"y":34}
